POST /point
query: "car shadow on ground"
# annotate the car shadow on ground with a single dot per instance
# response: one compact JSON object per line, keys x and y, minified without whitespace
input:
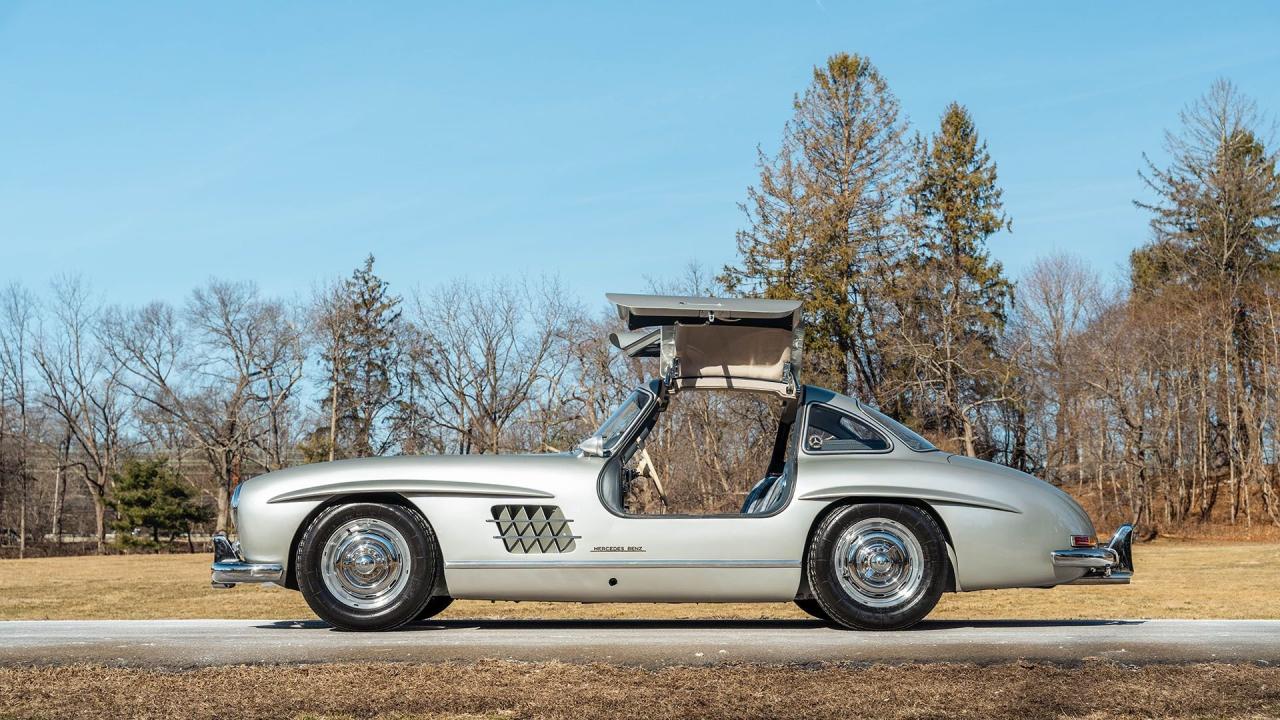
{"x":688,"y":624}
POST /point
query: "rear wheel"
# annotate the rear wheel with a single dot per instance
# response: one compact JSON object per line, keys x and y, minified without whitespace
{"x":811,"y":606}
{"x":367,"y":566}
{"x":878,"y":566}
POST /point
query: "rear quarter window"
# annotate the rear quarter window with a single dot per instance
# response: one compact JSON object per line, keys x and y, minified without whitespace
{"x":830,"y":431}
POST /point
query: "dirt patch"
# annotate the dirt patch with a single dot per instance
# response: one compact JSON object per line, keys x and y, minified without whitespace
{"x":553,"y":690}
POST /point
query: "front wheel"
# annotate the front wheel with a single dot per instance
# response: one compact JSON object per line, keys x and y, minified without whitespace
{"x":367,"y":566}
{"x":879,"y":566}
{"x":434,"y":607}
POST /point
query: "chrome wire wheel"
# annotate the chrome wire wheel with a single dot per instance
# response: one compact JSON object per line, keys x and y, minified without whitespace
{"x":365,"y":563}
{"x":879,"y":563}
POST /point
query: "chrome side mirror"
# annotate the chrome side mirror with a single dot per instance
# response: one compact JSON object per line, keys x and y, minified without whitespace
{"x":593,"y":446}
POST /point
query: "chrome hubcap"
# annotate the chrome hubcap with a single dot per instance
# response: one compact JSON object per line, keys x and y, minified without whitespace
{"x":365,"y":563}
{"x":879,"y":562}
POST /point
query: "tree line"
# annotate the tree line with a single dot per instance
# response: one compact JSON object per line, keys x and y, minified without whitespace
{"x":1155,"y":398}
{"x":230,"y":384}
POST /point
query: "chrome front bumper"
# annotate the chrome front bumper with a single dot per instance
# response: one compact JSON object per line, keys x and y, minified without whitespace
{"x":1111,"y":564}
{"x":230,"y":569}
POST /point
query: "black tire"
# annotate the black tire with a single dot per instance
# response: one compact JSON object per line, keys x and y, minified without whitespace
{"x":434,"y":607}
{"x":811,"y":606}
{"x":904,"y":559}
{"x":401,"y":544}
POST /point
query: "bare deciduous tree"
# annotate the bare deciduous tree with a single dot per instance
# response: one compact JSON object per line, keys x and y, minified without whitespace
{"x":17,"y":320}
{"x":489,"y":351}
{"x":220,"y":372}
{"x":84,"y":388}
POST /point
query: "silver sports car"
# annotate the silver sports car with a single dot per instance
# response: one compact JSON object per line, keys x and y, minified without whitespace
{"x":858,"y":520}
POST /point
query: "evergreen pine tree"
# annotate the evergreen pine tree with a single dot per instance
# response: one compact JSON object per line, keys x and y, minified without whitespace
{"x":149,"y":495}
{"x":819,"y":222}
{"x":955,"y":298}
{"x":359,"y":324}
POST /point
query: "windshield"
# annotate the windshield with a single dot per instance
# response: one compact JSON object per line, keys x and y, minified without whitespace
{"x":904,"y":433}
{"x":624,"y":417}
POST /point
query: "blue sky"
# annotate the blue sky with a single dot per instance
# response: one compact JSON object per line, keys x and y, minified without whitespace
{"x":148,"y":147}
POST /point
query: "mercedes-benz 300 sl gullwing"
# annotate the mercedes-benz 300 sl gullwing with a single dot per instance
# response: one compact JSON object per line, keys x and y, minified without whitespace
{"x":857,"y":519}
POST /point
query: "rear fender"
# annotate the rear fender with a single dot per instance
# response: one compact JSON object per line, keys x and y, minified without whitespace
{"x":953,"y":583}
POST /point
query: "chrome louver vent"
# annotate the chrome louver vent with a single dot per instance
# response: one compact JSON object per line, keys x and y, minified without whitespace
{"x":533,"y":529}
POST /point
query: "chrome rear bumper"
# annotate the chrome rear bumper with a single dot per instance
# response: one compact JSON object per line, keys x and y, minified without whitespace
{"x":1111,"y":564}
{"x":230,"y":569}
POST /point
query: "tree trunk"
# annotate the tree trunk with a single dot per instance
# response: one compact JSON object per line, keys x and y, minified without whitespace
{"x":59,"y":481}
{"x":968,"y":436}
{"x":23,"y":477}
{"x":22,"y":514}
{"x":224,"y":505}
{"x":59,"y":486}
{"x":22,"y":518}
{"x":333,"y":419}
{"x":99,"y":513}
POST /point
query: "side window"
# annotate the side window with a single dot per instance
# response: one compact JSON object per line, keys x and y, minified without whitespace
{"x":829,"y":430}
{"x":709,"y":452}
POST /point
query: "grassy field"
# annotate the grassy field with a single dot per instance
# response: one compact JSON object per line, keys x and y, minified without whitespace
{"x":498,"y":689}
{"x":1173,"y":580}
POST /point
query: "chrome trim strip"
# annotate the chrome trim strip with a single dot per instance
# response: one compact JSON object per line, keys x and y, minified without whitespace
{"x":929,"y":495}
{"x":411,"y":487}
{"x":537,"y":537}
{"x":494,"y":520}
{"x":611,"y":564}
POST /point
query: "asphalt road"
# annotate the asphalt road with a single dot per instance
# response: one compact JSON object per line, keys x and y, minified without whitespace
{"x":190,"y":643}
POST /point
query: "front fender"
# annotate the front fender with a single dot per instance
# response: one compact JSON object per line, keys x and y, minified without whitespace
{"x":271,"y":509}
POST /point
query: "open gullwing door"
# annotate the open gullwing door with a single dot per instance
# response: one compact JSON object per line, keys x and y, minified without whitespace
{"x":714,"y":343}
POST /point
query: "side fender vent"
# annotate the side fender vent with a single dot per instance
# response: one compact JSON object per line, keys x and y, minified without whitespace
{"x":525,"y":529}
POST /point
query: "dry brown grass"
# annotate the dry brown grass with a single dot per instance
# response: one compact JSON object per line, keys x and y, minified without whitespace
{"x":502,"y":689}
{"x":1174,"y":580}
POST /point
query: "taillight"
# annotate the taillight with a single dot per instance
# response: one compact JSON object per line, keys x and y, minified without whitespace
{"x":1082,"y":541}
